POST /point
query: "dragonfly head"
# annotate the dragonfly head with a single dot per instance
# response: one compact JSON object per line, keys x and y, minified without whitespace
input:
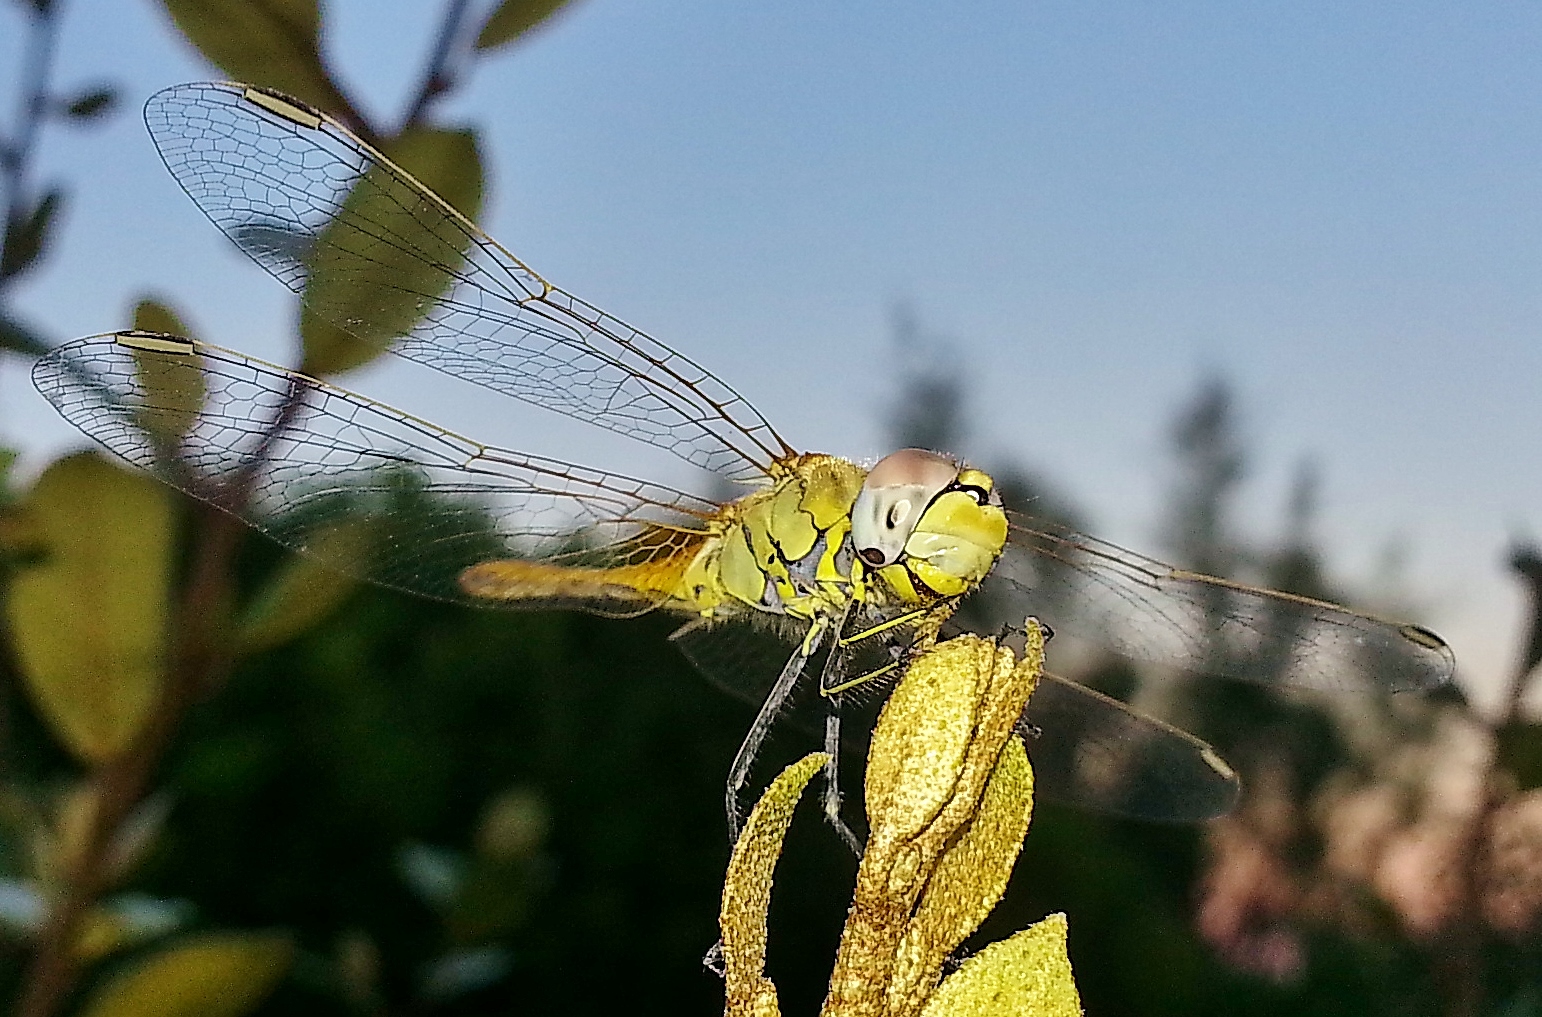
{"x":937,"y":518}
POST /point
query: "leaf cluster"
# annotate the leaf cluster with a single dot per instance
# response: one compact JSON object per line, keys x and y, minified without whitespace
{"x":124,"y":612}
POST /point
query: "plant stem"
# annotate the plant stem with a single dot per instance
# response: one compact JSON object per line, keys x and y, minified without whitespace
{"x":439,"y":77}
{"x":17,"y":151}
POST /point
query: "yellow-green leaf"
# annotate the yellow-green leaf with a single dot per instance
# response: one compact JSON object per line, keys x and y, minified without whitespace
{"x":213,"y":975}
{"x":306,"y":588}
{"x":154,"y":316}
{"x":1027,"y":973}
{"x":266,"y":42}
{"x":513,"y":19}
{"x":173,"y":383}
{"x":513,"y":825}
{"x":924,"y":735}
{"x":89,"y":618}
{"x":101,"y":932}
{"x":747,"y":891}
{"x":970,"y":877}
{"x":383,"y":289}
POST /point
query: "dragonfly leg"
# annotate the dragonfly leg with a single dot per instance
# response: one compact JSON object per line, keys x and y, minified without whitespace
{"x":832,"y":795}
{"x":882,"y":627}
{"x":756,"y":737}
{"x":859,"y":680}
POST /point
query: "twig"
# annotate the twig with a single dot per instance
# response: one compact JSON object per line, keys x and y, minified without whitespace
{"x":439,"y":77}
{"x":17,"y":151}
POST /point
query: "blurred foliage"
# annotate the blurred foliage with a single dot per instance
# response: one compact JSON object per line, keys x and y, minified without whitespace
{"x":1520,"y":750}
{"x":266,"y":42}
{"x":91,"y":103}
{"x":223,"y":975}
{"x":303,"y":591}
{"x":155,"y":316}
{"x":31,"y":213}
{"x":177,"y":384}
{"x":26,"y":230}
{"x":88,"y":614}
{"x":513,"y":19}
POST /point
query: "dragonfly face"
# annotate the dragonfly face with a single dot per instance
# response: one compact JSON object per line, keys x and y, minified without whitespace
{"x":839,"y":557}
{"x":925,"y":521}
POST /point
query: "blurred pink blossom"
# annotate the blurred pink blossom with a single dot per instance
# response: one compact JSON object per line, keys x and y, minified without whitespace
{"x":1247,"y":901}
{"x":1512,"y":891}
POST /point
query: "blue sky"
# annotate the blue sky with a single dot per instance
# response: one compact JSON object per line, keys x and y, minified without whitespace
{"x":1335,"y":206}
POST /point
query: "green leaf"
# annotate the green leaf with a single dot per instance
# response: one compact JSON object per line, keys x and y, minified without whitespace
{"x":17,"y":338}
{"x":387,"y":288}
{"x":747,"y":890}
{"x":1029,"y":972}
{"x":89,"y":619}
{"x":174,"y":383}
{"x":212,"y":975}
{"x":513,"y":825}
{"x":513,"y":19}
{"x":304,"y":591}
{"x":153,"y":316}
{"x":267,"y":42}
{"x":92,"y":104}
{"x":26,"y":234}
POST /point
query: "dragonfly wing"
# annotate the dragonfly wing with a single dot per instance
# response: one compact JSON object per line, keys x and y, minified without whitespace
{"x":1088,"y":750}
{"x":1096,"y":753}
{"x":305,"y":198}
{"x":300,"y":460}
{"x":1142,"y":608}
{"x":738,"y":657}
{"x":745,"y":657}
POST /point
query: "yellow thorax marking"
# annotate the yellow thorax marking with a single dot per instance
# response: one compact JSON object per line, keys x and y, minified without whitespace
{"x":781,"y":526}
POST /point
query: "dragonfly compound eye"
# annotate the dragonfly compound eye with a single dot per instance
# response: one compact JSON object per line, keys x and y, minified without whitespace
{"x":892,"y":500}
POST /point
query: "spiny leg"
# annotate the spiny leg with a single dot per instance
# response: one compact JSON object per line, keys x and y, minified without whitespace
{"x":885,"y":626}
{"x":775,"y":699}
{"x":829,"y":677}
{"x":832,"y":795}
{"x":835,"y":664}
{"x":833,"y":681}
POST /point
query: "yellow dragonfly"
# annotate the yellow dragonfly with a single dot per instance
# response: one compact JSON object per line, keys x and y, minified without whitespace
{"x":852,"y":569}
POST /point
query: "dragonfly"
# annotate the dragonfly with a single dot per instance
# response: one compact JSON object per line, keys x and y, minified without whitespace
{"x":847,"y":571}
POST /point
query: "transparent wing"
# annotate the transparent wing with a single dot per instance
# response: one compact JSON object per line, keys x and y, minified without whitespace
{"x":1088,"y":750}
{"x":1142,"y":608}
{"x":302,"y":196}
{"x":744,"y":660}
{"x":1096,"y":753}
{"x":302,"y":461}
